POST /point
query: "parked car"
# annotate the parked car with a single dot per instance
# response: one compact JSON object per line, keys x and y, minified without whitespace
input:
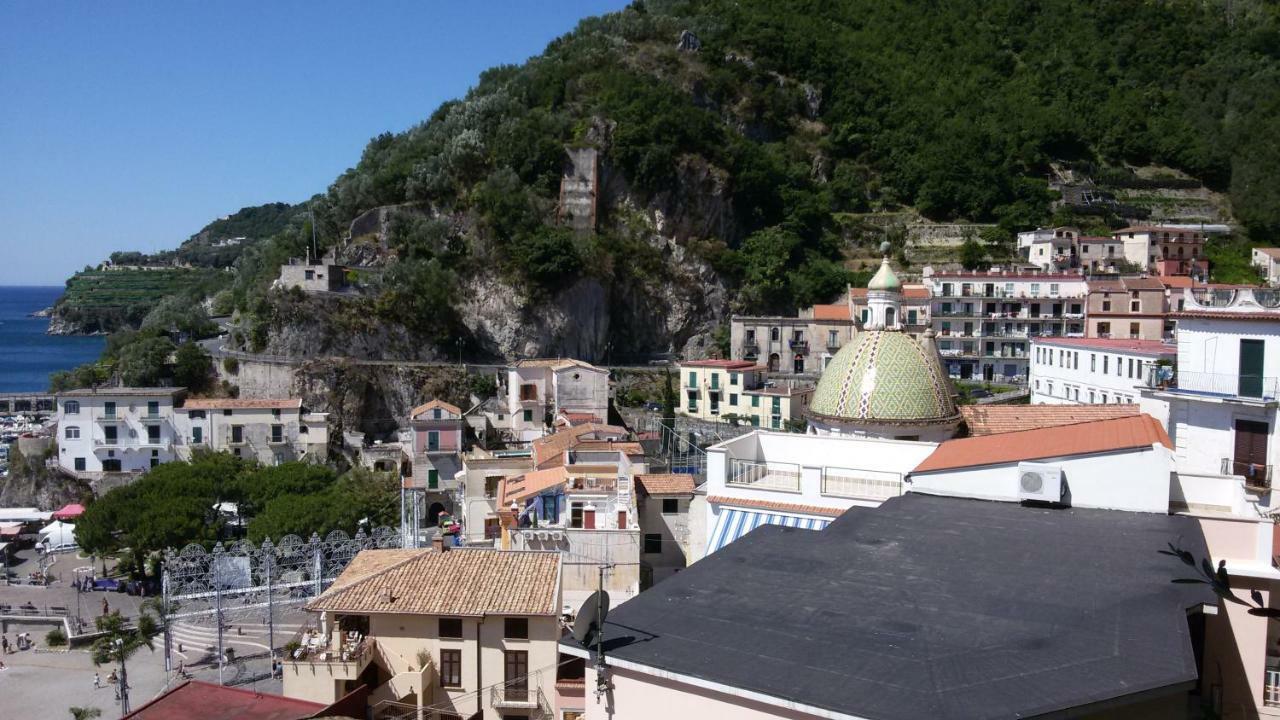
{"x":653,"y":407}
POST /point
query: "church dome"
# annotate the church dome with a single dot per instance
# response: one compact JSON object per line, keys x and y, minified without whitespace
{"x":884,"y":377}
{"x":885,"y":279}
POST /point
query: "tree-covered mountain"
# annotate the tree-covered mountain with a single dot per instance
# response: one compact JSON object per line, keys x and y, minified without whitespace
{"x":732,"y":137}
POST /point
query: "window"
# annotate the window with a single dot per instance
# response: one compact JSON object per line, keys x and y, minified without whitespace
{"x":1119,"y":366}
{"x":275,"y":413}
{"x":751,"y":336}
{"x":733,"y":378}
{"x":1076,"y":394}
{"x":1053,"y":289}
{"x":153,"y":434}
{"x":435,"y":414}
{"x":197,"y":435}
{"x":237,"y":433}
{"x":433,"y":479}
{"x":227,"y":412}
{"x":309,"y":274}
{"x":1035,"y":289}
{"x":491,"y":485}
{"x":1130,"y":367}
{"x":913,"y":318}
{"x":109,"y":409}
{"x":79,"y":464}
{"x":451,"y":628}
{"x":733,"y":398}
{"x":451,"y":668}
{"x":693,"y":379}
{"x":755,"y":401}
{"x":1104,"y":398}
{"x":1134,"y":332}
{"x":670,"y":506}
{"x":652,"y":544}
{"x":528,"y":416}
{"x":833,"y":338}
{"x":1093,"y":362}
{"x":575,"y":515}
{"x":433,"y":440}
{"x":153,"y":408}
{"x":516,"y":674}
{"x":1135,"y":306}
{"x":110,"y":434}
{"x":515,"y":628}
{"x":277,"y":433}
{"x":71,"y":407}
{"x":866,"y":315}
{"x":72,"y":433}
{"x":775,"y":334}
{"x":1106,"y":306}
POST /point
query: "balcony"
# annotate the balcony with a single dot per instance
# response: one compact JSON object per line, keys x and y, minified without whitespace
{"x":319,"y":657}
{"x":1220,"y":386}
{"x":860,"y":484}
{"x":593,"y":484}
{"x":1255,"y":476}
{"x":109,"y":418}
{"x":526,"y":696}
{"x":750,"y":349}
{"x":750,"y":474}
{"x":800,"y":346}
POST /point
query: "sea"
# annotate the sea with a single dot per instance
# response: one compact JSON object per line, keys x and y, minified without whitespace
{"x":27,"y":355}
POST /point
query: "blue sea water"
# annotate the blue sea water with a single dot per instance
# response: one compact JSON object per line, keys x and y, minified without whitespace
{"x":27,"y":355}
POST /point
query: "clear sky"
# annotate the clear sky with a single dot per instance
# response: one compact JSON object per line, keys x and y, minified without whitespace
{"x":130,"y":125}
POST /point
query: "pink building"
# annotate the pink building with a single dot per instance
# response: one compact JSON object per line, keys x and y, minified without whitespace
{"x":436,"y":457}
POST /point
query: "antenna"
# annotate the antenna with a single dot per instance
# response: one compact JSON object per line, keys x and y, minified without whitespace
{"x":315,"y":249}
{"x":588,"y":627}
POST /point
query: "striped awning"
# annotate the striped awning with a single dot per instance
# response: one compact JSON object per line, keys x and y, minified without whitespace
{"x":734,"y":523}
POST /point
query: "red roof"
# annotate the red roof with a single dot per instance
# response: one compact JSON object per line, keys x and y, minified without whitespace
{"x":66,"y":512}
{"x":435,"y":403}
{"x":830,"y":312}
{"x":197,"y":700}
{"x":992,"y":419}
{"x":1216,"y":315}
{"x":241,"y":403}
{"x":1139,"y":347}
{"x":1139,"y":431}
{"x":998,"y":276}
{"x":722,"y":364}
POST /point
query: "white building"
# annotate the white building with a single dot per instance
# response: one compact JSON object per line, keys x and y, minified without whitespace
{"x":1067,"y":371}
{"x":270,"y":431}
{"x":538,"y":390}
{"x":116,"y":430}
{"x":1220,"y":407}
{"x":1050,"y":249}
{"x":1268,"y":261}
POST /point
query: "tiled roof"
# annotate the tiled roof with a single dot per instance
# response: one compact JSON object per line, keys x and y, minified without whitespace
{"x":623,"y":446}
{"x":831,"y":312}
{"x":1096,"y":239}
{"x":114,"y":391}
{"x":367,"y":563}
{"x":775,"y":505}
{"x":719,"y":364}
{"x":666,"y":484}
{"x":1154,"y":228}
{"x":1177,"y":281}
{"x":1225,"y":315}
{"x":1125,"y":284}
{"x":1135,"y":346}
{"x":467,"y":581}
{"x":993,"y":419}
{"x":884,"y":376}
{"x":550,"y":447}
{"x":520,"y":487}
{"x":242,"y":404}
{"x":1086,"y":438}
{"x":557,"y":364}
{"x":578,"y":418}
{"x":198,"y":700}
{"x":432,"y":404}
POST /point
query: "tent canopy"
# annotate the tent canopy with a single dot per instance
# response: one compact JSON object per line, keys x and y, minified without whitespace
{"x":69,"y":511}
{"x":58,"y":534}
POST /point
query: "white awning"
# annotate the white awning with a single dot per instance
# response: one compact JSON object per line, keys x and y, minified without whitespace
{"x":734,"y":523}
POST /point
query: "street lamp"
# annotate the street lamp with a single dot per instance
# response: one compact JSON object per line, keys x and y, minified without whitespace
{"x":123,"y":685}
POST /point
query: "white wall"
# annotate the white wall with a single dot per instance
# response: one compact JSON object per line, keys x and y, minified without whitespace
{"x":1213,"y":346}
{"x":1074,"y":371}
{"x":1203,"y":429}
{"x":131,"y":447}
{"x":1135,"y":480}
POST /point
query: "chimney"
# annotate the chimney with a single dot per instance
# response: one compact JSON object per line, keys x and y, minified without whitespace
{"x":438,"y":544}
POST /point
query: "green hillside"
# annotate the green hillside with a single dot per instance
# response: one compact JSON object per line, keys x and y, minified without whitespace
{"x":110,"y":300}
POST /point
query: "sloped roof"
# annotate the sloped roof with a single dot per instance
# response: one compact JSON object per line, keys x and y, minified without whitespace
{"x":520,"y":487}
{"x":993,"y":419}
{"x":242,"y":404}
{"x":432,"y":404}
{"x":1269,"y":252}
{"x":666,"y":483}
{"x":557,"y":364}
{"x":775,"y":505}
{"x":929,"y":607}
{"x":884,"y":376}
{"x":1138,"y":431}
{"x":461,"y":581}
{"x":198,"y":700}
{"x":831,"y":312}
{"x":550,"y":447}
{"x":1125,"y":284}
{"x":116,"y":391}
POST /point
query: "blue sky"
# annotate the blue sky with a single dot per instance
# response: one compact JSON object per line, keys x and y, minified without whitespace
{"x":128,"y":126}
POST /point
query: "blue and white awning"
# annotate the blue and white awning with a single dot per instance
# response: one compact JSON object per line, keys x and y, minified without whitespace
{"x":734,"y":523}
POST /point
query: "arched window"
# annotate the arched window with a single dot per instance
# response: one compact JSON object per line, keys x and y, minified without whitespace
{"x":890,"y":317}
{"x":775,"y":334}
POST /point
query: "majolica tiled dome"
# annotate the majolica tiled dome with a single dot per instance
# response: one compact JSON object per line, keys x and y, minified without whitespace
{"x":884,"y":377}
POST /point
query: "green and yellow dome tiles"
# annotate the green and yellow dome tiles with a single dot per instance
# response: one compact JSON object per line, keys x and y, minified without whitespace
{"x":884,"y":376}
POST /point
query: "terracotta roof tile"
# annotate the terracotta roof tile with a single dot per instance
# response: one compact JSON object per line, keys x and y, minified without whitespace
{"x":515,"y":489}
{"x":774,"y":505}
{"x":557,"y":364}
{"x":830,"y":312}
{"x":435,"y":403}
{"x":198,"y":700}
{"x":463,"y":581}
{"x":666,"y":484}
{"x":1085,"y":438}
{"x":548,"y":448}
{"x":241,"y":403}
{"x":994,"y":419}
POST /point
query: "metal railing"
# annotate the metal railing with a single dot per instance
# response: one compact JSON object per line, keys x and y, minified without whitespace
{"x":1257,"y":387}
{"x":862,"y":484}
{"x":1254,"y":475}
{"x":764,"y":476}
{"x":1271,"y":688}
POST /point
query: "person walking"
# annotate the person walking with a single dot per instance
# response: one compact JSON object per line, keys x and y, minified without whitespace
{"x":97,"y":681}
{"x":4,"y":644}
{"x":106,"y":607}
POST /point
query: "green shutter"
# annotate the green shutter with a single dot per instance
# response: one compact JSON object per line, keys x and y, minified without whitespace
{"x":433,"y":479}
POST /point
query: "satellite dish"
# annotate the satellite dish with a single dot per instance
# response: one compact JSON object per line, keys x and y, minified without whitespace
{"x":591,"y":617}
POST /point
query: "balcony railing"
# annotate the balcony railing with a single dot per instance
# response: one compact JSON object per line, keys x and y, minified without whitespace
{"x":1271,"y":688}
{"x":1255,"y":475}
{"x":526,"y":695}
{"x":1221,"y":385}
{"x":862,"y":484}
{"x":784,"y":477}
{"x":801,"y":346}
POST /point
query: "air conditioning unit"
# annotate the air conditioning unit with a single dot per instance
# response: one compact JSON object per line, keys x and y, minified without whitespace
{"x":1037,"y":481}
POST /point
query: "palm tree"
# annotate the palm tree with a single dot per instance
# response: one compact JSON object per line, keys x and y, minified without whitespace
{"x":85,"y":713}
{"x":119,"y":641}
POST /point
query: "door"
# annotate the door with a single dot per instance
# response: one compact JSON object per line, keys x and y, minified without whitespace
{"x":589,"y":519}
{"x":1251,"y":352}
{"x":433,"y":441}
{"x":1251,"y":451}
{"x":516,"y":674}
{"x":622,"y":519}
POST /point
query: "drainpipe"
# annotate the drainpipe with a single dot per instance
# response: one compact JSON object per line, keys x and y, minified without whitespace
{"x":479,"y":664}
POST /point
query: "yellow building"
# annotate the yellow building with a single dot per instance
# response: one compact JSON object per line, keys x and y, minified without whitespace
{"x":435,"y":632}
{"x":716,"y":390}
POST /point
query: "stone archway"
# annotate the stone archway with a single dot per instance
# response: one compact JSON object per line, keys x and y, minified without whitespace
{"x":433,"y":513}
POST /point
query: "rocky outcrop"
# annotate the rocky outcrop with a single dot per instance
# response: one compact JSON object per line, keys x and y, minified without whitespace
{"x":32,"y":484}
{"x":374,"y":400}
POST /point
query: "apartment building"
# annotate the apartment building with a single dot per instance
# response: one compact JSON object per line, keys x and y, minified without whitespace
{"x":739,"y":390}
{"x":1099,"y":254}
{"x":1063,"y":249}
{"x":269,"y":431}
{"x":436,"y":633}
{"x":1164,"y":250}
{"x":672,"y":535}
{"x":538,"y":390}
{"x":121,"y":430}
{"x":482,"y":474}
{"x":984,"y":320}
{"x":1068,"y":371}
{"x":1129,"y":307}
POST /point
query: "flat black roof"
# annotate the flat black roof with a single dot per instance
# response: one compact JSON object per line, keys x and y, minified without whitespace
{"x":931,"y":607}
